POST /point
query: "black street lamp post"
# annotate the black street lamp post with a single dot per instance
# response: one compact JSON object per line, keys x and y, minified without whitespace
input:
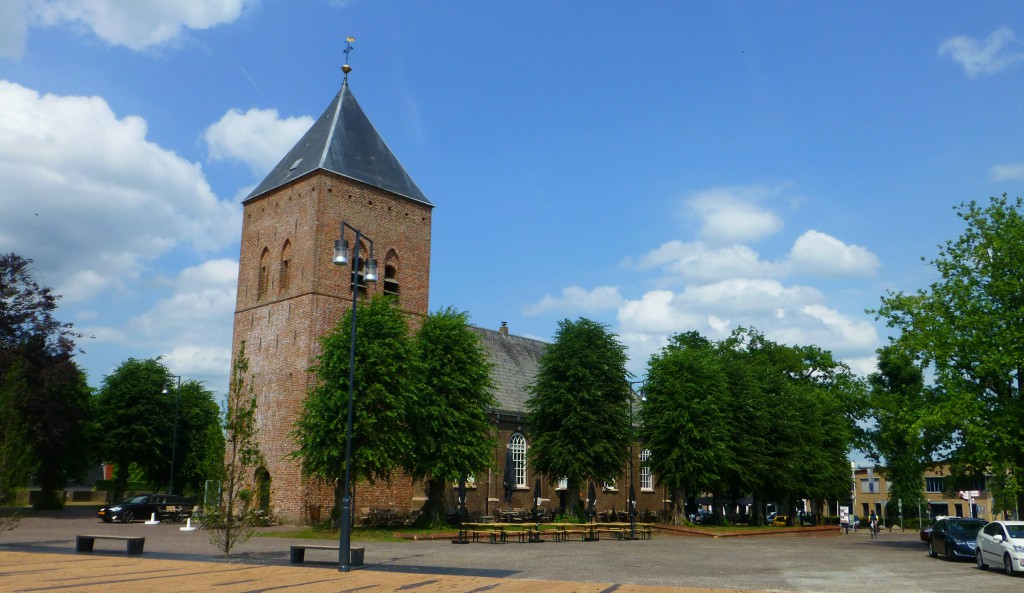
{"x":370,"y":275}
{"x":632,"y":438}
{"x":174,"y":438}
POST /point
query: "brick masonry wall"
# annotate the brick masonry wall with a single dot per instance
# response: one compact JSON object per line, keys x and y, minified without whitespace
{"x":282,"y":327}
{"x":489,"y":485}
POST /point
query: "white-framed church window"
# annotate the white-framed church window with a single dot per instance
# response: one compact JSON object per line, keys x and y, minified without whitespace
{"x":646,"y":477}
{"x":518,"y":445}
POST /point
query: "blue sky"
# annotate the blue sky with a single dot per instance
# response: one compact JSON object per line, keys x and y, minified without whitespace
{"x":656,"y":166}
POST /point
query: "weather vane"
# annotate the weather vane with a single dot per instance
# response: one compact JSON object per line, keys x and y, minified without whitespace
{"x":348,"y":48}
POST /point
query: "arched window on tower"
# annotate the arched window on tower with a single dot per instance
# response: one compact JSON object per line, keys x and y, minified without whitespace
{"x":391,"y":273}
{"x":262,"y":479}
{"x":264,"y":280}
{"x":518,"y":445}
{"x":282,"y":276}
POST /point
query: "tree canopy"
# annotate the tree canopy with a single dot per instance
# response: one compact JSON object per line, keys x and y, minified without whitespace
{"x":134,"y":426}
{"x":420,"y":401}
{"x":747,"y":416}
{"x":900,"y":437}
{"x":685,"y":420}
{"x":449,"y":421}
{"x":44,"y":396}
{"x":579,"y":406}
{"x":968,"y":327}
{"x":384,"y":390}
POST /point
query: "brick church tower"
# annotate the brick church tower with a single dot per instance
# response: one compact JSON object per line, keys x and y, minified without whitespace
{"x":289,"y":291}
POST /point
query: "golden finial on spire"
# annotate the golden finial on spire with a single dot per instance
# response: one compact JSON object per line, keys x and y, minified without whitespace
{"x":348,"y":48}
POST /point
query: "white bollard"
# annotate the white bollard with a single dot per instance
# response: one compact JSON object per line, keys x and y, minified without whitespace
{"x":152,"y":520}
{"x":188,"y":525}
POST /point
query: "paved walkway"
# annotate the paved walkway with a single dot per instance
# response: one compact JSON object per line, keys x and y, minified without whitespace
{"x":29,"y":572}
{"x":39,"y":556}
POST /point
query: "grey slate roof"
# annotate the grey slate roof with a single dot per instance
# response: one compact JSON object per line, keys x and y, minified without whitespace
{"x":345,"y":142}
{"x":516,"y":361}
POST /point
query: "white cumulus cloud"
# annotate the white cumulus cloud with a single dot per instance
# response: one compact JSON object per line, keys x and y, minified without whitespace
{"x":1006,"y":172}
{"x":90,"y":199}
{"x":258,"y":137}
{"x":699,"y":261}
{"x":823,"y":255}
{"x":137,"y":24}
{"x":992,"y":55}
{"x":190,"y":327}
{"x":732,"y":215}
{"x":578,"y":299}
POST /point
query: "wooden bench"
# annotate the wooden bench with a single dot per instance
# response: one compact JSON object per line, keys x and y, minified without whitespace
{"x":569,"y":532}
{"x":616,"y":532}
{"x":298,"y":553}
{"x":84,"y":543}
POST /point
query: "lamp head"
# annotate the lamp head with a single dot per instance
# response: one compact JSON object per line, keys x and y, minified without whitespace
{"x":340,"y":252}
{"x":370,"y":270}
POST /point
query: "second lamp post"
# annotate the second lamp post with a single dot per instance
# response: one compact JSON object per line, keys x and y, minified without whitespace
{"x":369,"y":270}
{"x":174,"y":438}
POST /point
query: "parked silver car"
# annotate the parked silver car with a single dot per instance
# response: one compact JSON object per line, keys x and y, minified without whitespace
{"x":1001,"y":543}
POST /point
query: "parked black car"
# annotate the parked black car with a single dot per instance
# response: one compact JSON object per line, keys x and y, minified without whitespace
{"x":142,"y":508}
{"x":954,"y":537}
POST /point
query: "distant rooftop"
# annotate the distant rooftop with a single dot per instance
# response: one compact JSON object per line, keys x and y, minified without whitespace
{"x":516,"y":362}
{"x":343,"y":141}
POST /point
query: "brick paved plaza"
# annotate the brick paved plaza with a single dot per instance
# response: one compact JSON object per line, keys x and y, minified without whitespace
{"x":39,"y":556}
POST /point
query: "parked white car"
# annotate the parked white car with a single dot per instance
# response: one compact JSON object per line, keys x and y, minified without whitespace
{"x":1001,"y":543}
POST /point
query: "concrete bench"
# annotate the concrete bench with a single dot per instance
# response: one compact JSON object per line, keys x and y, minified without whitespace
{"x":84,"y":543}
{"x":298,"y":553}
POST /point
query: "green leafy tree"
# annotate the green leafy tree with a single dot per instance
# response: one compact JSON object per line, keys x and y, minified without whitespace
{"x":449,"y":422}
{"x":135,"y":421}
{"x":15,"y":457}
{"x":200,"y":451}
{"x":579,"y":407}
{"x":747,"y":416}
{"x":385,"y":393}
{"x":233,"y":519}
{"x":968,"y":326}
{"x":685,"y":422}
{"x":760,"y":424}
{"x":828,"y":400}
{"x":45,"y":394}
{"x":899,"y":437}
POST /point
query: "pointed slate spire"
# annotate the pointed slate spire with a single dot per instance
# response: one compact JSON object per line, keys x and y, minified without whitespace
{"x":343,"y":141}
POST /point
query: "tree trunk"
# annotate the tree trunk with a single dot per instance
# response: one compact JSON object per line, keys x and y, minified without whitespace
{"x":757,"y":510}
{"x":717,"y":508}
{"x":679,"y":505}
{"x":435,"y":501}
{"x":120,"y":481}
{"x":49,"y":483}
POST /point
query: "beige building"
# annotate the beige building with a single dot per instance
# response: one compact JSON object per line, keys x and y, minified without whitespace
{"x":871,"y":491}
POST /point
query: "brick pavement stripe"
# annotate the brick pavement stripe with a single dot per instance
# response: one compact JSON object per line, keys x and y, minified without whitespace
{"x":29,"y":572}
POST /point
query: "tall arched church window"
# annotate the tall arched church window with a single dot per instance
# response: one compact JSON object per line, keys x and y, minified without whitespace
{"x":264,"y":280}
{"x":391,"y":273}
{"x":518,"y":445}
{"x":286,"y":257}
{"x":646,"y":478}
